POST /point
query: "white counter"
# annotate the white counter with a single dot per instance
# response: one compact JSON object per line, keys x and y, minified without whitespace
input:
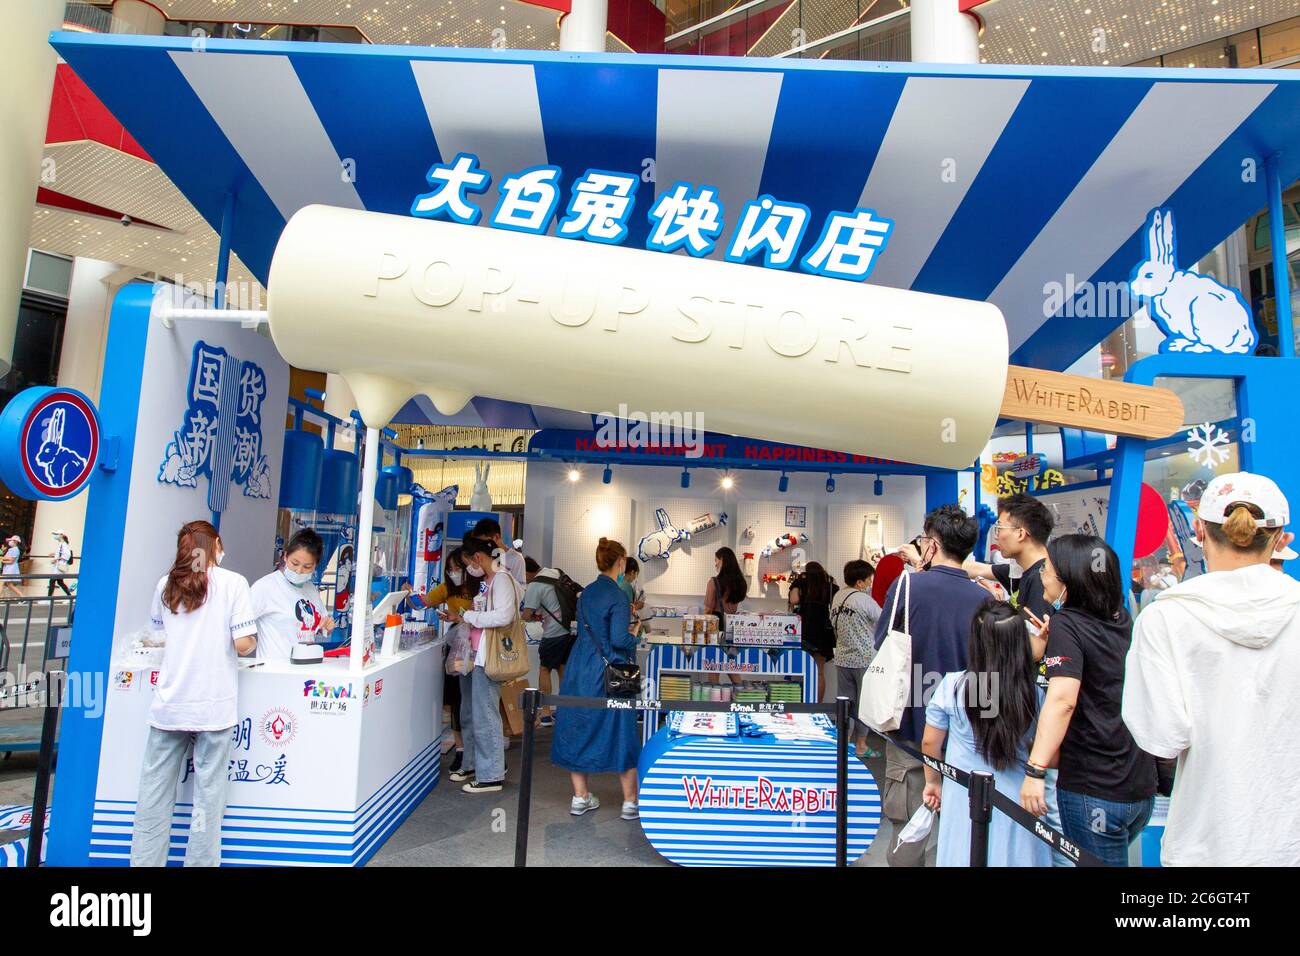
{"x":326,"y":763}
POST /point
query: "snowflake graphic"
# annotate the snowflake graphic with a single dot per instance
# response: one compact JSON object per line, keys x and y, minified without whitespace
{"x":1206,"y":444}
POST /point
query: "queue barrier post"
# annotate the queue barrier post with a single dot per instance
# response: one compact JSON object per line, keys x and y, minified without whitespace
{"x":532,"y":699}
{"x":843,"y":742}
{"x":44,"y":765}
{"x":981,"y":815}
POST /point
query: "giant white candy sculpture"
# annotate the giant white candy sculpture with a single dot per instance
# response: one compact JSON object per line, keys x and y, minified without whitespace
{"x":401,"y":306}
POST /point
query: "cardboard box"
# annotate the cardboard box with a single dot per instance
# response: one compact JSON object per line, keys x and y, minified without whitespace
{"x":512,"y":711}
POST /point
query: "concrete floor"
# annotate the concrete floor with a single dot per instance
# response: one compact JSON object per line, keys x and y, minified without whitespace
{"x":452,"y":828}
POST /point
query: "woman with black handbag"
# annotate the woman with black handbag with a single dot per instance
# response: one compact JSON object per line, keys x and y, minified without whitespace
{"x":601,"y":664}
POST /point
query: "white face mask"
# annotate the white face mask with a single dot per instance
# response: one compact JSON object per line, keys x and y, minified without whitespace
{"x":221,"y":556}
{"x":475,"y":571}
{"x":456,"y":577}
{"x":297,"y":578}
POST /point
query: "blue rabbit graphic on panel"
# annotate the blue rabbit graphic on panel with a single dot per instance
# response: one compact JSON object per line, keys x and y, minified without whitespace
{"x":1196,"y":313}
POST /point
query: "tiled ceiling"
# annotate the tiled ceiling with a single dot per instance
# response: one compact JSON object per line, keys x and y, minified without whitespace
{"x":1114,"y":32}
{"x":457,"y":23}
{"x":186,"y":249}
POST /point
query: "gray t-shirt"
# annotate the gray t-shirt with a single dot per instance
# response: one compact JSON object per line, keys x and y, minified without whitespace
{"x":541,"y":597}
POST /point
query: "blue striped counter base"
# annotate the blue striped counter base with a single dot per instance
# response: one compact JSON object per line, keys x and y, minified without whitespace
{"x":716,"y":801}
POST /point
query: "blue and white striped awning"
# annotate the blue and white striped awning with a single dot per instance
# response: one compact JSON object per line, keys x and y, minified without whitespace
{"x":999,"y":180}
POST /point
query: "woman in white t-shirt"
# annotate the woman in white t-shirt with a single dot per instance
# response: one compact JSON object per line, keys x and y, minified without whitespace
{"x":205,"y":617}
{"x":9,"y":569}
{"x":286,"y":602}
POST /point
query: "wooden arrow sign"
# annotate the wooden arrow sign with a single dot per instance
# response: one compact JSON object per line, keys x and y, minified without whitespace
{"x":1093,"y":404}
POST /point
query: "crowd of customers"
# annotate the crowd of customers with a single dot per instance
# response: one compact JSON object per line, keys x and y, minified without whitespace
{"x":1044,"y":680}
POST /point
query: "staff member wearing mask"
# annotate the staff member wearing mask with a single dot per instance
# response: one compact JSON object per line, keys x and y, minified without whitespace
{"x":286,"y":603}
{"x":204,"y":615}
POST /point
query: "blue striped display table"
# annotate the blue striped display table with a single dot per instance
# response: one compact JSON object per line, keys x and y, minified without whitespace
{"x":719,"y":801}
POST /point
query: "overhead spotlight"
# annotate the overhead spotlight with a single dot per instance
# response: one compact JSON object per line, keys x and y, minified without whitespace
{"x":728,"y":482}
{"x":878,"y":488}
{"x":783,"y":485}
{"x":830,"y":484}
{"x":608,"y":476}
{"x":686,"y":478}
{"x":574,"y":474}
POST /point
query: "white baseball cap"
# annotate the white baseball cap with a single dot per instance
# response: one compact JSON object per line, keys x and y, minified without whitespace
{"x":1245,"y":488}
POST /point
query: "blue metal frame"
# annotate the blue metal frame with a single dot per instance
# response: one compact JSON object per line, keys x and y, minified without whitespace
{"x":1260,"y":385}
{"x":1277,"y":238}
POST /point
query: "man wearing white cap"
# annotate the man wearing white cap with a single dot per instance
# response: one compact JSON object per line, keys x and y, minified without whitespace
{"x":1211,"y":680}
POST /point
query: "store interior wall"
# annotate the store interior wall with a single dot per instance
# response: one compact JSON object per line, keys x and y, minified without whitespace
{"x":567,"y":518}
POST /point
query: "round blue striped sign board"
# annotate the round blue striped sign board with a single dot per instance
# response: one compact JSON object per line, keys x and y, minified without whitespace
{"x":715,"y":801}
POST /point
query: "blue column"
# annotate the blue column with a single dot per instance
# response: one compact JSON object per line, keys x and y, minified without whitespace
{"x":940,"y":489}
{"x":1277,"y":237}
{"x":223,"y":253}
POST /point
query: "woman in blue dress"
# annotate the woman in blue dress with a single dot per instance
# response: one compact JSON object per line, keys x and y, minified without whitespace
{"x":599,"y":741}
{"x":984,"y":719}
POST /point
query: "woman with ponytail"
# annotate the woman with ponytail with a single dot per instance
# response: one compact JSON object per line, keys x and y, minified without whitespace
{"x":1211,"y":682}
{"x":982,"y":719}
{"x":203,"y":615}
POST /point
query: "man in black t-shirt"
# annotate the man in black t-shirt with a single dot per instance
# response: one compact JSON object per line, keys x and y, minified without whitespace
{"x":1024,"y":525}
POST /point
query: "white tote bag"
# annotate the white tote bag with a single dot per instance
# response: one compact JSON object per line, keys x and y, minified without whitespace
{"x":887,"y":682}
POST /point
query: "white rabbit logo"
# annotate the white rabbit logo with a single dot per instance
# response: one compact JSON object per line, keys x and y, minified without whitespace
{"x":481,"y":499}
{"x":657,"y":543}
{"x":60,"y":464}
{"x":1196,"y":313}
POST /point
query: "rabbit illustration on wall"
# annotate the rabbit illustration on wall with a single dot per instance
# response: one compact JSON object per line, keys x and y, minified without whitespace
{"x":1196,"y":313}
{"x":659,"y":542}
{"x":481,"y":499}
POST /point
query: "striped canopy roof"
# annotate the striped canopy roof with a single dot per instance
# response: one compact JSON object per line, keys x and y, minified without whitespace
{"x":999,"y":180}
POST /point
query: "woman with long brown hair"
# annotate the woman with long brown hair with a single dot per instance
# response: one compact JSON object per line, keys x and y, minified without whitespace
{"x":810,"y":597}
{"x":204,"y":616}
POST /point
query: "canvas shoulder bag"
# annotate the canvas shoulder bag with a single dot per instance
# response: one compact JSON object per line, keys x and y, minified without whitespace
{"x":506,"y":655}
{"x":887,"y":682}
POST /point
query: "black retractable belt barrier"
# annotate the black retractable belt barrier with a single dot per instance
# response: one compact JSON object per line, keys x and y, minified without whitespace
{"x":1019,"y":815}
{"x":533,"y":701}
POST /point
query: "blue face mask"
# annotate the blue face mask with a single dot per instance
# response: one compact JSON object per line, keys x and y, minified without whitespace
{"x":1056,"y":605}
{"x":620,"y":579}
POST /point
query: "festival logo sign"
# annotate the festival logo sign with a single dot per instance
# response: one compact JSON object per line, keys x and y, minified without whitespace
{"x":278,"y":727}
{"x":49,"y":443}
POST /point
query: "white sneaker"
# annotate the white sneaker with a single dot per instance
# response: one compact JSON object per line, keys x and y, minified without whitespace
{"x":630,"y":811}
{"x":580,"y":805}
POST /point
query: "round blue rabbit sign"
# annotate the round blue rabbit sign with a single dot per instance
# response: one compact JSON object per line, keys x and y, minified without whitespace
{"x":49,"y":441}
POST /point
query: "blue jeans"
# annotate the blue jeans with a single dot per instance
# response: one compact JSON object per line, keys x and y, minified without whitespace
{"x":1053,"y":818}
{"x":480,"y":727}
{"x":1104,"y":828}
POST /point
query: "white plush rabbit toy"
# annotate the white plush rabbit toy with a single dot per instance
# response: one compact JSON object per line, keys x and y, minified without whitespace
{"x":1197,"y":313}
{"x":481,"y":500}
